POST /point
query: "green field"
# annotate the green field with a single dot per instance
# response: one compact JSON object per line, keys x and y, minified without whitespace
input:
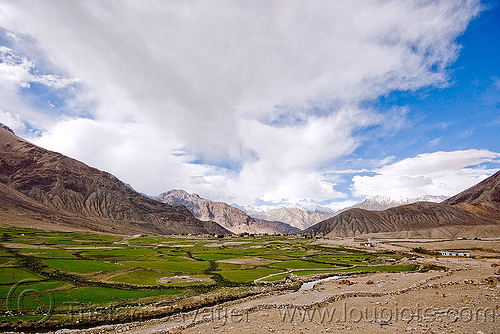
{"x":277,"y":277}
{"x":81,"y":266}
{"x":11,"y":275}
{"x":61,"y":271}
{"x":359,"y":269}
{"x":300,"y":264}
{"x":247,"y":275}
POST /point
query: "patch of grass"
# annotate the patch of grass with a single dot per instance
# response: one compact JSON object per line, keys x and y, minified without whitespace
{"x":47,"y":253}
{"x":148,"y":277}
{"x":65,"y":241}
{"x":146,"y":240}
{"x":122,"y":254}
{"x":3,"y":252}
{"x":299,"y":264}
{"x":171,"y":264}
{"x":366,"y":269}
{"x":14,"y":275}
{"x":277,"y":277}
{"x":103,"y":295}
{"x":247,"y":275}
{"x":345,"y":258}
{"x":28,"y":296}
{"x":313,"y":272}
{"x":214,"y":256}
{"x":140,"y":277}
{"x":370,"y":269}
{"x":81,"y":266}
{"x":232,"y":266}
{"x":422,"y":250}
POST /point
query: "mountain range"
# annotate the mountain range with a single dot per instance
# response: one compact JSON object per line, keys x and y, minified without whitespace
{"x":473,"y":212}
{"x":306,"y":216}
{"x":381,"y":203}
{"x":231,"y":218}
{"x":294,"y":216}
{"x":45,"y":189}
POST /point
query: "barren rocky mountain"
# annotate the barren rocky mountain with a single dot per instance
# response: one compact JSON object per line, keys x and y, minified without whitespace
{"x":380,"y":203}
{"x":233,"y":219}
{"x":472,"y":210}
{"x":292,"y":216}
{"x":50,"y":187}
{"x":304,"y":217}
{"x":485,"y":193}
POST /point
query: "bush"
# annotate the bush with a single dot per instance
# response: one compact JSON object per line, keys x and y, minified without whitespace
{"x":422,"y":250}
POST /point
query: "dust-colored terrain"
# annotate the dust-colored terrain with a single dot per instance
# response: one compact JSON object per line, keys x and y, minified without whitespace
{"x":464,"y":298}
{"x":475,"y":212}
{"x":233,"y":219}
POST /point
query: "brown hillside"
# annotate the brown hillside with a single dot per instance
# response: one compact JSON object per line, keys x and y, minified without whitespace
{"x":477,"y":206}
{"x":485,"y":193}
{"x":224,"y":214}
{"x":64,"y":187}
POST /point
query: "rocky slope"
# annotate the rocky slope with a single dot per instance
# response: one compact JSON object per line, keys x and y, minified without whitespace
{"x":51,"y":186}
{"x":291,"y":215}
{"x":380,"y":203}
{"x":233,"y":219}
{"x":304,"y":217}
{"x":484,"y":194}
{"x":477,"y":206}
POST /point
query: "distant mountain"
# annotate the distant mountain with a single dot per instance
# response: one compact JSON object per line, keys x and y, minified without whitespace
{"x":314,"y":208}
{"x":380,"y":203}
{"x":293,"y":216}
{"x":41,"y":188}
{"x":233,"y":219}
{"x":474,"y":212}
{"x":307,"y":215}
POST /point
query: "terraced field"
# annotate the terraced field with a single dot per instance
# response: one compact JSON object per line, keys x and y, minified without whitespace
{"x":49,"y":277}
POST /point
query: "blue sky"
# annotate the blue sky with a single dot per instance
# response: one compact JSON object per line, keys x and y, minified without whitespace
{"x":325,"y":102}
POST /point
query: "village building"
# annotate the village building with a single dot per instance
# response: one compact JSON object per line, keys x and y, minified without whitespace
{"x":455,"y":252}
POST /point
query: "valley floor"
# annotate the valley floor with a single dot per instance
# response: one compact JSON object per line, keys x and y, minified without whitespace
{"x":463,"y":299}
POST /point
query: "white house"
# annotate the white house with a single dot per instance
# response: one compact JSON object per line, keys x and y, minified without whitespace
{"x":452,"y":252}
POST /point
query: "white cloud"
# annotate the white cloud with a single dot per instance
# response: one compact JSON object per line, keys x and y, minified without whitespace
{"x":14,"y":69}
{"x":220,"y":82}
{"x":17,"y":70}
{"x":132,"y":153}
{"x":438,"y":173}
{"x":13,"y":121}
{"x":17,"y":73}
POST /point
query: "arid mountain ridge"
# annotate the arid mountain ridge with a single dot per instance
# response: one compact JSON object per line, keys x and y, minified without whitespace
{"x":304,"y":217}
{"x":44,"y":189}
{"x":293,"y":216}
{"x":233,"y":219}
{"x":473,"y":212}
{"x":41,"y":187}
{"x":381,"y":203}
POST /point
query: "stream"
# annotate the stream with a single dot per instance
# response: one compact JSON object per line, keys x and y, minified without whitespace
{"x":310,"y":285}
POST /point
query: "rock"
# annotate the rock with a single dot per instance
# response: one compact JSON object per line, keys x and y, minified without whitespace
{"x":6,"y":128}
{"x":234,"y":219}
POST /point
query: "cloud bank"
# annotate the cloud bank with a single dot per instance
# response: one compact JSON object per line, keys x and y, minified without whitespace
{"x":238,"y":101}
{"x":444,"y":173}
